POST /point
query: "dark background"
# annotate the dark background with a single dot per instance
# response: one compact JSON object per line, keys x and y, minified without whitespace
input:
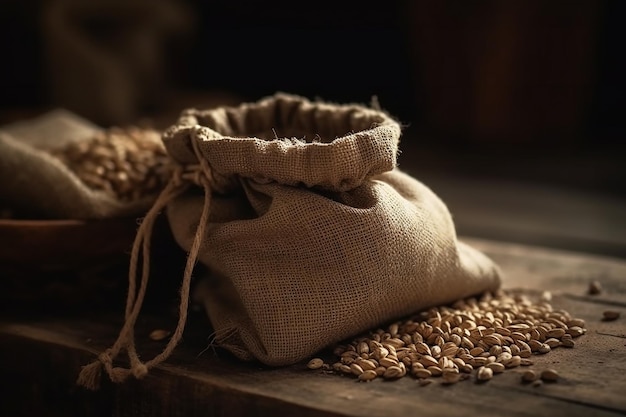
{"x":528,"y":90}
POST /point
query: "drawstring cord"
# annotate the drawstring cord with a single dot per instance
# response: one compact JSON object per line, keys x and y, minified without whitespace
{"x":90,"y":374}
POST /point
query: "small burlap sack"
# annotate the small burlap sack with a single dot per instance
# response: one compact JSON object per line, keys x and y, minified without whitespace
{"x":309,"y":231}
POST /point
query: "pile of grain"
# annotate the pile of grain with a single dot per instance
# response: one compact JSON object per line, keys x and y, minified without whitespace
{"x":479,"y":337}
{"x":127,"y":164}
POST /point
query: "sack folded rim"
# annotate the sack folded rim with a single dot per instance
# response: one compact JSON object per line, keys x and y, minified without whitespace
{"x":314,"y":163}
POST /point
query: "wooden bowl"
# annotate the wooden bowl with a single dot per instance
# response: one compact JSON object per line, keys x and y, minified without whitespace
{"x":64,"y":244}
{"x":65,"y":266}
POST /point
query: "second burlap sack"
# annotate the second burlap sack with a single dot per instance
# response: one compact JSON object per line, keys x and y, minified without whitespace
{"x":314,"y":233}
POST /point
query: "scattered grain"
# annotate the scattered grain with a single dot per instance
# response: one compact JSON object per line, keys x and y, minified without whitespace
{"x":394,"y":372}
{"x":488,"y":334}
{"x":576,"y":322}
{"x":449,"y":378}
{"x":575,"y":331}
{"x":550,"y":375}
{"x":496,"y":367}
{"x":356,"y":369}
{"x":367,"y":375}
{"x":484,"y":374}
{"x":514,"y":362}
{"x":435,"y":370}
{"x":159,"y":334}
{"x":422,"y":373}
{"x":529,"y":376}
{"x":610,"y":315}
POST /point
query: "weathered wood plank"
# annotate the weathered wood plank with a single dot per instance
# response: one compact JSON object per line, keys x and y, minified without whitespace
{"x":42,"y":358}
{"x":533,"y":213}
{"x":558,"y":271}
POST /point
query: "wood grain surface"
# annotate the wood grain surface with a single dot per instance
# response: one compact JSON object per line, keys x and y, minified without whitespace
{"x":41,"y":357}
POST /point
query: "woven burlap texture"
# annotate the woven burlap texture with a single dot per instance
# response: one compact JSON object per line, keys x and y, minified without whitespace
{"x":314,"y":235}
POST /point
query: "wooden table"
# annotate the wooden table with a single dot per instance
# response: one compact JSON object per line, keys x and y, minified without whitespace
{"x":40,"y":358}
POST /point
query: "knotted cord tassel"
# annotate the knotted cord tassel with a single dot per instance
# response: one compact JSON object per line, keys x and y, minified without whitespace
{"x":90,"y":375}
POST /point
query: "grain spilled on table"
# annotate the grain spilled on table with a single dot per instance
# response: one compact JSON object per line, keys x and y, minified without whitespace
{"x":473,"y":339}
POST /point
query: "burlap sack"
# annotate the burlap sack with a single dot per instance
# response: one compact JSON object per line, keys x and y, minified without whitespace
{"x":315,"y":235}
{"x":37,"y":183}
{"x":309,"y":231}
